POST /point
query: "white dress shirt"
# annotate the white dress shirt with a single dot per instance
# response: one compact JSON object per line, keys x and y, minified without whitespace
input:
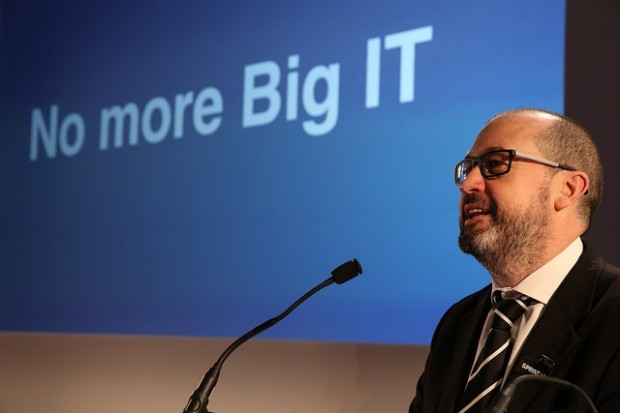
{"x":540,"y":285}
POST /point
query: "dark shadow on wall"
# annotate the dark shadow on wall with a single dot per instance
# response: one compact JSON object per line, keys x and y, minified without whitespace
{"x":592,"y":97}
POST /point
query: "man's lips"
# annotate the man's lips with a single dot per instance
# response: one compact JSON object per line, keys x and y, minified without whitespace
{"x":473,"y":212}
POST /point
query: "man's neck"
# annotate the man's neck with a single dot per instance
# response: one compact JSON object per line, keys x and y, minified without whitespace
{"x":523,"y":265}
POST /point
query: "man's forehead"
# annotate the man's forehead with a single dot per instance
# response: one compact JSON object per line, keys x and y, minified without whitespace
{"x":476,"y":152}
{"x":512,"y":131}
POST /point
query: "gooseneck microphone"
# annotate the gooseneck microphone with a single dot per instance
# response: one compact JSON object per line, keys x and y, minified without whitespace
{"x":200,"y":398}
{"x":505,"y":397}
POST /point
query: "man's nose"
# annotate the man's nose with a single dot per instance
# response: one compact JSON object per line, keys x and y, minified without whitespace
{"x":474,"y":182}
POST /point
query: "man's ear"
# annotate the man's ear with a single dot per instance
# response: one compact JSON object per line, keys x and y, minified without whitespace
{"x":574,"y":185}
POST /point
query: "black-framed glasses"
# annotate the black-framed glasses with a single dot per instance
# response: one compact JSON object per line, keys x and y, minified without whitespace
{"x":495,"y":163}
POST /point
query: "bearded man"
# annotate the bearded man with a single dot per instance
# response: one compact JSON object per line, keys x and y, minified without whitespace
{"x":529,"y":187}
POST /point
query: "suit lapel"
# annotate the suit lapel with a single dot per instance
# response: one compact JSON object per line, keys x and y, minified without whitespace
{"x":468,"y":331}
{"x":558,"y":338}
{"x":554,"y":335}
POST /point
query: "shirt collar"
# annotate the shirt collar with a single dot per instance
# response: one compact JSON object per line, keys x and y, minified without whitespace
{"x":542,"y":283}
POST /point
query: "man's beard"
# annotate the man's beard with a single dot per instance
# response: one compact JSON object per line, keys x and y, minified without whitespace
{"x":514,"y":239}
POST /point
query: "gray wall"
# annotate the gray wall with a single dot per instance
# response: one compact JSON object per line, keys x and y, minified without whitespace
{"x":107,"y":374}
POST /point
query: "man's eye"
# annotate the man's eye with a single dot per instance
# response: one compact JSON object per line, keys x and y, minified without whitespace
{"x":496,"y":164}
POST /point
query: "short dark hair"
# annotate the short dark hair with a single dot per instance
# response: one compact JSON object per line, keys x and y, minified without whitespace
{"x":569,"y":143}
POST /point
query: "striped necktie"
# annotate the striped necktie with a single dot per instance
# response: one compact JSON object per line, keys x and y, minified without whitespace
{"x":487,"y":375}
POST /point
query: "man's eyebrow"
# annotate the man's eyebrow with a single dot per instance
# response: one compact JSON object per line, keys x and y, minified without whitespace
{"x":487,"y":150}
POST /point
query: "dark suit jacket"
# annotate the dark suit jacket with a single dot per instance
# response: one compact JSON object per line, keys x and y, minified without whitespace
{"x":578,"y":331}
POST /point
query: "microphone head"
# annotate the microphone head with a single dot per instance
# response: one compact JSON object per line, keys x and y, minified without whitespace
{"x":346,"y":271}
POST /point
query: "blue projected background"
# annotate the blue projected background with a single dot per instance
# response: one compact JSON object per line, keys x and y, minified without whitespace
{"x":191,"y":168}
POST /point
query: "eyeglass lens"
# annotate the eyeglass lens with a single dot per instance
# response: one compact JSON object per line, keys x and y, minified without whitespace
{"x":491,"y":164}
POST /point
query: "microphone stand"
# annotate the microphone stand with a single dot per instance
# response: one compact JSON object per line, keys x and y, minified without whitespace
{"x":505,"y":397}
{"x":200,"y":398}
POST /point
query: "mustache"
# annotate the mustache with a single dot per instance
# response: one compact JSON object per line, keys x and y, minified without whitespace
{"x":479,"y":199}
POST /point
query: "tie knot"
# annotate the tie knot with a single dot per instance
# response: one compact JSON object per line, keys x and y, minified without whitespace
{"x":508,"y":310}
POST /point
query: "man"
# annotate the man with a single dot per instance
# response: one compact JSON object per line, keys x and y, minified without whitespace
{"x":529,"y":186}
